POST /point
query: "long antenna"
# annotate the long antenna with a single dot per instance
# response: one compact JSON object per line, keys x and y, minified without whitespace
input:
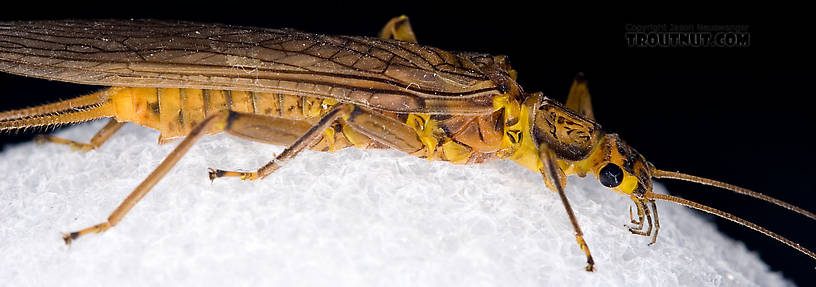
{"x":656,"y":173}
{"x":733,"y":218}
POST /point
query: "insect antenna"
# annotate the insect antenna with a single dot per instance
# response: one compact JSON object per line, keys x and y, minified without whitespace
{"x":733,"y":218}
{"x":76,"y":110}
{"x":656,"y":173}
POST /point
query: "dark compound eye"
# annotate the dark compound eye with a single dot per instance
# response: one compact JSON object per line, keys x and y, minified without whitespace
{"x":611,"y":175}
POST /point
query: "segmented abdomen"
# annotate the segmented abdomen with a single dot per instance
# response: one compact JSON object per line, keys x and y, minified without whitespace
{"x":175,"y":112}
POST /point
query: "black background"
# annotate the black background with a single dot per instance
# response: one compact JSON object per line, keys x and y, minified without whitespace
{"x":741,"y":115}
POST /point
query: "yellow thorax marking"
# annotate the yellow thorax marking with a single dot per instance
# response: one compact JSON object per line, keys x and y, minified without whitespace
{"x":318,"y":110}
{"x":426,"y":130}
{"x":517,"y":138}
{"x":455,"y":152}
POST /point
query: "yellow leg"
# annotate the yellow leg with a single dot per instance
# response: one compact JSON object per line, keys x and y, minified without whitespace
{"x":310,"y":137}
{"x":385,"y":130}
{"x":101,"y":136}
{"x":398,"y":28}
{"x":639,"y":222}
{"x":638,"y":228}
{"x":219,"y":121}
{"x":297,"y":134}
{"x":578,"y":99}
{"x":551,"y":172}
{"x":656,"y":221}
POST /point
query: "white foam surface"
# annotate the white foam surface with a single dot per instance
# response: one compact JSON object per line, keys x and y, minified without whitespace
{"x":352,"y":218}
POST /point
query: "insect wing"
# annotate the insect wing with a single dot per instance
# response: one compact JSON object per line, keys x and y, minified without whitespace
{"x":380,"y":74}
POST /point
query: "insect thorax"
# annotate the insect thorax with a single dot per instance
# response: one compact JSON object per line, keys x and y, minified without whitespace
{"x":570,"y":136}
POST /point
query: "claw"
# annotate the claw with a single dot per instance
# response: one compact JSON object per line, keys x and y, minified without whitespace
{"x":40,"y":139}
{"x":69,"y":237}
{"x":632,"y":218}
{"x":633,"y":228}
{"x":217,"y":173}
{"x":213,"y":174}
{"x":638,"y":232}
{"x":590,"y":268}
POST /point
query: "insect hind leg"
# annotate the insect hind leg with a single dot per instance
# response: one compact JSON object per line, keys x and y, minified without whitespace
{"x":214,"y":122}
{"x":98,"y":139}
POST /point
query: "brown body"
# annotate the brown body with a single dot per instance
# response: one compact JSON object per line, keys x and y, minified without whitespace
{"x":278,"y":73}
{"x":175,"y":112}
{"x":327,"y":93}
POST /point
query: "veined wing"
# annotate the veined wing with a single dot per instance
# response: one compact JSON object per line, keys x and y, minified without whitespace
{"x":380,"y":74}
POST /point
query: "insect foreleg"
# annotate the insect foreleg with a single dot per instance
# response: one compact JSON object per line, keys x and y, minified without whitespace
{"x":552,"y":173}
{"x":98,"y":139}
{"x":398,"y":28}
{"x":213,"y":122}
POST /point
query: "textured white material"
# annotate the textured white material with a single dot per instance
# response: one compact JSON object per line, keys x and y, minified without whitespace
{"x":353,"y":218}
